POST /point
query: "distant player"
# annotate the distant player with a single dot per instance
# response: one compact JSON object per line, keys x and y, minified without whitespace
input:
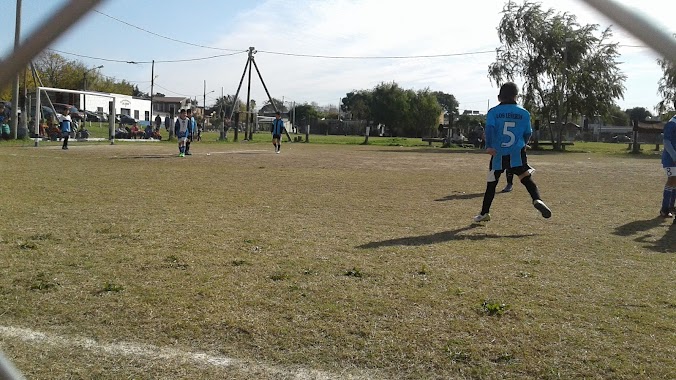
{"x":191,"y":131}
{"x":669,"y":165}
{"x":4,"y":122}
{"x":181,"y":129}
{"x":276,"y":130}
{"x":65,"y":126}
{"x":508,"y":130}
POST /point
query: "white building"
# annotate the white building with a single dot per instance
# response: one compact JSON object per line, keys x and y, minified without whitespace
{"x":137,"y":108}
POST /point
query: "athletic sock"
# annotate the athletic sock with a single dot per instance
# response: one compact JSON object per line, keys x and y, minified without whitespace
{"x":667,"y":197}
{"x":531,"y":187}
{"x":510,"y":179}
{"x":489,"y":195}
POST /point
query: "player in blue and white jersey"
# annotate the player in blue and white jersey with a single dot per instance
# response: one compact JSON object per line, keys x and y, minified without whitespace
{"x":182,"y":128}
{"x":508,"y":130}
{"x":191,"y":131}
{"x":65,"y":125}
{"x":669,"y":165}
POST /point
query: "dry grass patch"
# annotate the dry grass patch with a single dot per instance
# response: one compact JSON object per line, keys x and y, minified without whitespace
{"x":348,"y":260}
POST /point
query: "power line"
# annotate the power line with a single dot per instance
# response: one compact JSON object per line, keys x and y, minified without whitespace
{"x":162,"y":36}
{"x":156,"y":61}
{"x":376,"y":57}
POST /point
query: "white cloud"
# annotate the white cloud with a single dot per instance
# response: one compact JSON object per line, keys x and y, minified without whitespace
{"x":384,"y":28}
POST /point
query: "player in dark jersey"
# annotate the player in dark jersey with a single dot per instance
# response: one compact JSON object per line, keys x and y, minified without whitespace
{"x":508,"y":130}
{"x":669,"y":165}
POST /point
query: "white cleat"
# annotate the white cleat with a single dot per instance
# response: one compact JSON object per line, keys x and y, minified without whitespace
{"x":482,"y":218}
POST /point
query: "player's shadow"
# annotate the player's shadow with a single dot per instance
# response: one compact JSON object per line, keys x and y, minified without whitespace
{"x":637,"y":226}
{"x":665,"y":244}
{"x":460,"y":196}
{"x":440,"y":237}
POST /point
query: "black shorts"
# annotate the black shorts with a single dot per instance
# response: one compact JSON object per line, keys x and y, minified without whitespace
{"x":517,"y":170}
{"x":277,"y":137}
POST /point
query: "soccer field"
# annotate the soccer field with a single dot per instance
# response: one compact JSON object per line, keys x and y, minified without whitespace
{"x":330,"y":262}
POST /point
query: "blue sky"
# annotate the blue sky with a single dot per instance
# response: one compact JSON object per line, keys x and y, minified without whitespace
{"x":317,"y":27}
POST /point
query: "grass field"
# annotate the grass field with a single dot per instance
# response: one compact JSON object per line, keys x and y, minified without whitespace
{"x":331,"y":261}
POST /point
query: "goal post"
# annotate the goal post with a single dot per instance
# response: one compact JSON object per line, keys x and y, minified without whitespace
{"x":38,"y":109}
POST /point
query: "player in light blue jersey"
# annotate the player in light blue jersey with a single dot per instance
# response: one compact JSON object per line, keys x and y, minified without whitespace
{"x":277,"y":130}
{"x":508,"y":130}
{"x":669,"y":165}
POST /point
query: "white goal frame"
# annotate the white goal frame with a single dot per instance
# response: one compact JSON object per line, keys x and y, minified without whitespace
{"x":38,"y":109}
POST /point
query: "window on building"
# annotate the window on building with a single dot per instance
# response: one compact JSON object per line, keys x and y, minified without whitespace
{"x":125,"y":111}
{"x":136,"y":113}
{"x":147,"y":114}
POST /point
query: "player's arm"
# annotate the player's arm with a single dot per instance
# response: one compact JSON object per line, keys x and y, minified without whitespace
{"x":527,"y":131}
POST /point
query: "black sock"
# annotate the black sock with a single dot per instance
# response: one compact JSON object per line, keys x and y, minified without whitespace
{"x":489,"y":195}
{"x":531,"y":187}
{"x":187,"y":146}
{"x":510,"y":179}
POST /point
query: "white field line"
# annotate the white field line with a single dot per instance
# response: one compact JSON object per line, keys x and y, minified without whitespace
{"x":151,"y":352}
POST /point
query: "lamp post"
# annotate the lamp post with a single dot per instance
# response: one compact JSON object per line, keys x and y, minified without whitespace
{"x":84,"y":85}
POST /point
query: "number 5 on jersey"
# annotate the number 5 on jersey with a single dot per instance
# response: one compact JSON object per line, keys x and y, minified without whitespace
{"x":507,"y":132}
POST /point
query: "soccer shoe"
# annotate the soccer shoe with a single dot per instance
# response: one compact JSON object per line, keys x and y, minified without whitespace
{"x":542,"y":207}
{"x":181,"y":154}
{"x":482,"y":218}
{"x":188,"y":154}
{"x":277,"y":152}
{"x":666,"y":214}
{"x":507,"y":189}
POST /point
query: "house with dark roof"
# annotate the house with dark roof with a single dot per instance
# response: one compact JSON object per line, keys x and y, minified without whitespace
{"x":170,"y":105}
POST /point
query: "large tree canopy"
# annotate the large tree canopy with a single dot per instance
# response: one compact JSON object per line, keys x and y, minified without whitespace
{"x":567,"y":69}
{"x":667,"y":86}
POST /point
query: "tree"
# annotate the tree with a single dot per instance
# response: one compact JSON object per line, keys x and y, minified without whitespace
{"x":616,"y":116}
{"x":567,"y":69}
{"x":304,"y":113}
{"x":358,"y":104}
{"x":267,"y":107}
{"x":667,"y":86}
{"x":638,"y":113}
{"x":448,"y":102}
{"x":425,"y":112}
{"x":390,"y":105}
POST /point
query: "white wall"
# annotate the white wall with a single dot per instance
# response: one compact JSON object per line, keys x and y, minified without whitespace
{"x":121,"y":101}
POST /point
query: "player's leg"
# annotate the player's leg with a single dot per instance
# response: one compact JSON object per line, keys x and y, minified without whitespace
{"x":527,"y":180}
{"x":274,"y":142}
{"x":669,"y":194}
{"x":187,"y":147}
{"x":66,"y":135}
{"x":491,"y":184}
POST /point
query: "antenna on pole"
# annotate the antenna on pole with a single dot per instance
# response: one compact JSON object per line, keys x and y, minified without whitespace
{"x":247,"y":67}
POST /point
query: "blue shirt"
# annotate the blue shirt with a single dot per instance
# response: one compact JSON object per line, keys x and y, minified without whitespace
{"x":508,"y":130}
{"x":669,"y":153}
{"x":277,"y":126}
{"x":64,"y":123}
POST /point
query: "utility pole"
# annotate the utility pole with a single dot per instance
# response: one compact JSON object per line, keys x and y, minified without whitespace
{"x":15,"y":89}
{"x":152,"y":91}
{"x":204,"y":100}
{"x":247,"y":135}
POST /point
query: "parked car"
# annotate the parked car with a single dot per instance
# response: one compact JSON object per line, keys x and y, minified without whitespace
{"x":92,"y":116}
{"x":47,"y":112}
{"x":74,"y":112}
{"x":125,"y":119}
